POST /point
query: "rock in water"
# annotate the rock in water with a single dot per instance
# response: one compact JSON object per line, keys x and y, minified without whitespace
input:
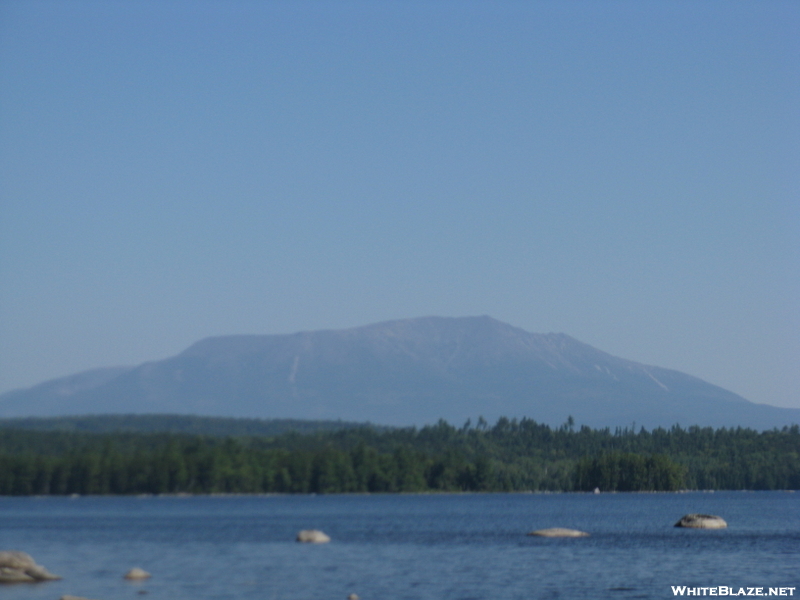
{"x":9,"y":575}
{"x":39,"y":573}
{"x":14,"y":559}
{"x":559,"y":532}
{"x":19,"y":567}
{"x":137,"y":574}
{"x":697,"y":521}
{"x":312,"y":536}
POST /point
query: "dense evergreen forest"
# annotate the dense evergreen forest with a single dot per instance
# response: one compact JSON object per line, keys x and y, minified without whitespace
{"x":160,"y":423}
{"x":509,"y":456}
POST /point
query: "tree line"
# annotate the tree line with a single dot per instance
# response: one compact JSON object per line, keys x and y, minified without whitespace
{"x":511,"y":455}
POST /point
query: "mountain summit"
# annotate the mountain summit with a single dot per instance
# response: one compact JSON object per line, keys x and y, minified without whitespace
{"x":412,"y":371}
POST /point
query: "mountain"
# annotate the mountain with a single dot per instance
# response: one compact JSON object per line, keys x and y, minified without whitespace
{"x":404,"y":372}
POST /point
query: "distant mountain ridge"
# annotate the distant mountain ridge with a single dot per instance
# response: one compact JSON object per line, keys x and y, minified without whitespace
{"x":411,"y":371}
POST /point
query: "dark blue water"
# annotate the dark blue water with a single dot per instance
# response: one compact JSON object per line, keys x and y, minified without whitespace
{"x":442,"y":547}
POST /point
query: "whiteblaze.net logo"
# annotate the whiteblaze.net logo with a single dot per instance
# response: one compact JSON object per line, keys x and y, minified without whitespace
{"x":723,"y":590}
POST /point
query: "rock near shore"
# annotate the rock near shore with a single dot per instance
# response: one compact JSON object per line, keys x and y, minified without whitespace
{"x":19,"y":567}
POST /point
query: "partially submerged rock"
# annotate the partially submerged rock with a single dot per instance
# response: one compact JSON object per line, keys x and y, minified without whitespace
{"x":19,"y":567}
{"x":312,"y":536}
{"x":698,"y":521}
{"x":558,"y":532}
{"x":68,"y":597}
{"x":14,"y":559}
{"x":9,"y":575}
{"x":137,"y":574}
{"x":39,"y":573}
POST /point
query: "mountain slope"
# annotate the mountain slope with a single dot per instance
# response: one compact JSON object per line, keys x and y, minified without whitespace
{"x":412,"y":371}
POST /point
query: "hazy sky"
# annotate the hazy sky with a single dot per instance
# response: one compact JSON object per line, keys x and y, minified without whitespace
{"x":627,"y":173}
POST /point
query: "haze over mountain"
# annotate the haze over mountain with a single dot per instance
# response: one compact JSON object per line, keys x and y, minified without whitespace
{"x":403,"y":372}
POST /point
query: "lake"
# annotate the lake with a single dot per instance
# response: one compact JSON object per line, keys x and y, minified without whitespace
{"x":426,"y":546}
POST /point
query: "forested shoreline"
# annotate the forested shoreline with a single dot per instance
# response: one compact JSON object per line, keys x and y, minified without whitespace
{"x":508,"y":456}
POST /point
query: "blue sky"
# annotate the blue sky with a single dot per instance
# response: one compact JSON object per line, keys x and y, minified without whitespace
{"x":627,"y":173}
